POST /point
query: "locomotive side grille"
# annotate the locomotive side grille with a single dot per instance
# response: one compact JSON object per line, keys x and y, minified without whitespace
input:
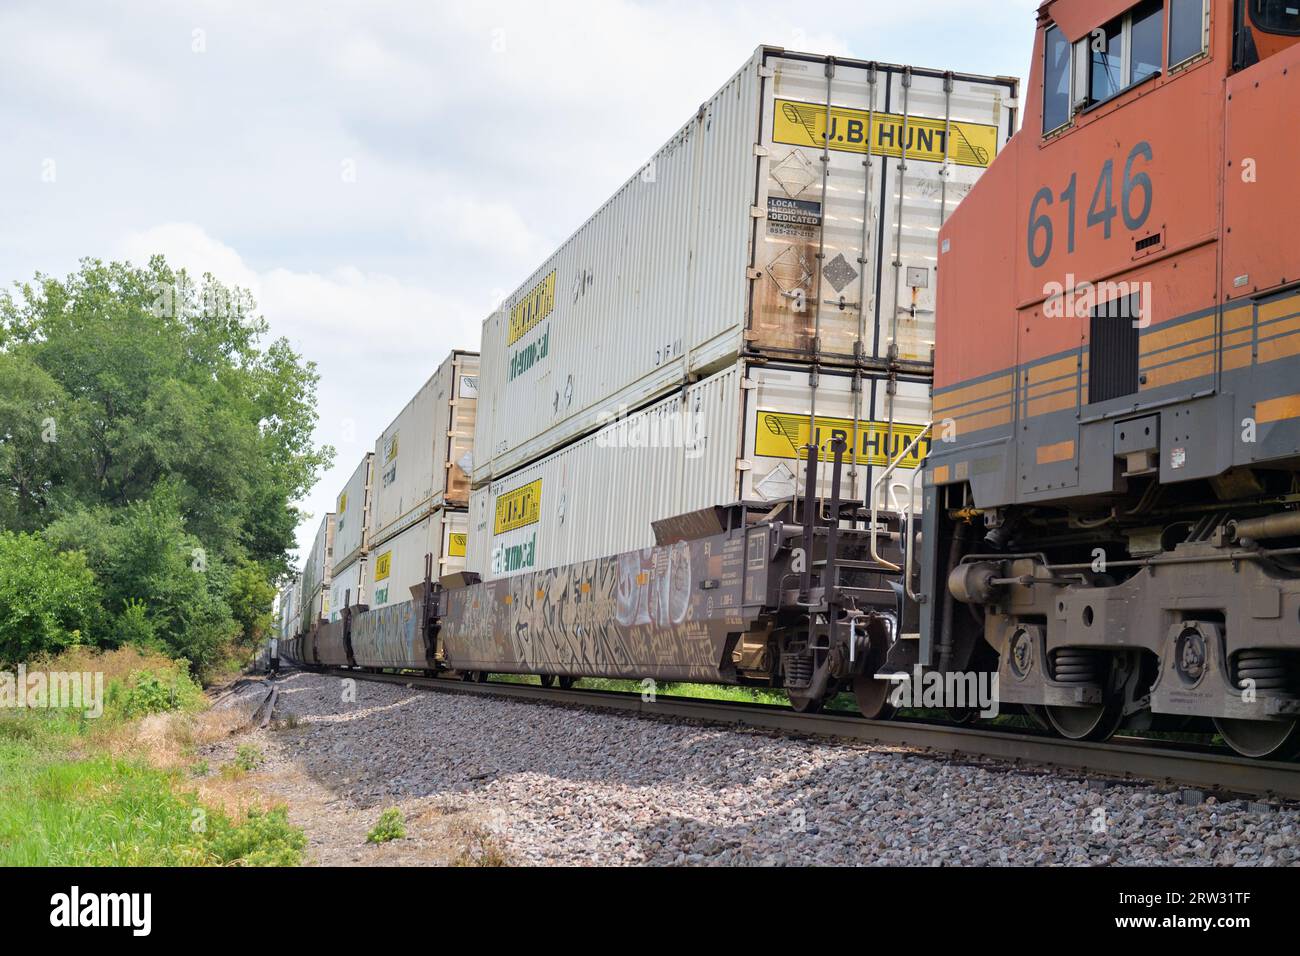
{"x":1114,"y":352}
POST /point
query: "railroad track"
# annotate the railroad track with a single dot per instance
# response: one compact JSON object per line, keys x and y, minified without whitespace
{"x":1127,"y":759}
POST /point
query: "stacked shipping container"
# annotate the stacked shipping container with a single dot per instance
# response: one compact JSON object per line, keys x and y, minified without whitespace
{"x":768,"y":274}
{"x":421,"y":487}
{"x":316,"y":571}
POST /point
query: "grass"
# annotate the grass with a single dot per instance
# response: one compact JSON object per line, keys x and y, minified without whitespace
{"x":112,"y":791}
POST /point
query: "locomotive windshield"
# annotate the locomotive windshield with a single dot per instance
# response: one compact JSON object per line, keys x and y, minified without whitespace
{"x":1276,"y":16}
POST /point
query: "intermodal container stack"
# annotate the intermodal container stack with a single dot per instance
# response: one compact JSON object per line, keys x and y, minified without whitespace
{"x":421,"y":484}
{"x":768,"y":276}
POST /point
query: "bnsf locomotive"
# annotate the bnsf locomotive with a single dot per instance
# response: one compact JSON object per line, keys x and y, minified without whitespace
{"x":1111,"y":508}
{"x":1110,"y":522}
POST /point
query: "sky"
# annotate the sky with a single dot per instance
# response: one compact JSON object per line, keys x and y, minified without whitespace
{"x":381,"y":174}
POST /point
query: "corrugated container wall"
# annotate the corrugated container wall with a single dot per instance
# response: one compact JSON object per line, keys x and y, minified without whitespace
{"x":712,"y":250}
{"x":352,"y":515}
{"x":738,"y":435}
{"x":398,"y":564}
{"x":421,"y":458}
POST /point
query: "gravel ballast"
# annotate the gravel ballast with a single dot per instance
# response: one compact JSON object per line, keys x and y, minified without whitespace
{"x":566,"y":786}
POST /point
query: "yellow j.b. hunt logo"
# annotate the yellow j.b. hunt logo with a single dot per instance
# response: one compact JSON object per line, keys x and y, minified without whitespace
{"x":779,"y":435}
{"x":456,"y":545}
{"x":531,"y":309}
{"x":926,"y":139}
{"x":383,"y":566}
{"x":519,"y":508}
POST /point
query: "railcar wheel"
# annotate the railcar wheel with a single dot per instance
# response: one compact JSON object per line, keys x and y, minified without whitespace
{"x":566,"y":683}
{"x":1038,"y":715}
{"x":1087,"y":723}
{"x":873,"y":697}
{"x":481,"y":677}
{"x":1261,"y":739}
{"x":547,"y":680}
{"x":803,"y":704}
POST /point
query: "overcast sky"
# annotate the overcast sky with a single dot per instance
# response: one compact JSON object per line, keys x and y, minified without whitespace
{"x":380,"y":174}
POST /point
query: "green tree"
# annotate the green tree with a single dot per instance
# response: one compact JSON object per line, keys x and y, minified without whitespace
{"x":48,"y":599}
{"x":251,"y":596}
{"x":156,"y":378}
{"x":147,"y":424}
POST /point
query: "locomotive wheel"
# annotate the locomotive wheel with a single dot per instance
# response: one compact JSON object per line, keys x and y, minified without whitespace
{"x":547,"y":680}
{"x":1261,"y":739}
{"x":566,"y":683}
{"x":873,"y":697}
{"x":1095,"y":723}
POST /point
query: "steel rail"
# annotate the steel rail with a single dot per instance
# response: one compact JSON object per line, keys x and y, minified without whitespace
{"x":1126,"y":759}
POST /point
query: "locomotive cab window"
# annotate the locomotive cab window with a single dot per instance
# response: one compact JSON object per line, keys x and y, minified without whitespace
{"x":1110,"y":60}
{"x":1124,"y":52}
{"x":1189,"y":30}
{"x":1276,"y":16}
{"x":1056,"y":80}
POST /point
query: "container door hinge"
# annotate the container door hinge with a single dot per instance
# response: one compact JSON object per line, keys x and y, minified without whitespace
{"x":753,"y":273}
{"x":758,"y":212}
{"x":760,"y":150}
{"x":744,"y":465}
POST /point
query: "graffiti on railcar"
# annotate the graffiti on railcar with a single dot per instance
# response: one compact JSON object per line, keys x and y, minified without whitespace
{"x":390,"y":635}
{"x":659,"y":610}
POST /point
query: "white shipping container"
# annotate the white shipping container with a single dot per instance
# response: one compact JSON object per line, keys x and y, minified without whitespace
{"x":316,"y":569}
{"x":398,"y":563}
{"x":348,"y":587}
{"x":736,"y":436}
{"x":420,"y":458}
{"x":712,"y":249}
{"x":352,"y":515}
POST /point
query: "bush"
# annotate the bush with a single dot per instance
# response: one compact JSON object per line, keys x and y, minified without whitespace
{"x":264,"y":838}
{"x":390,"y":826}
{"x":153,"y":692}
{"x":248,"y":758}
{"x":48,"y":600}
{"x":169,"y":589}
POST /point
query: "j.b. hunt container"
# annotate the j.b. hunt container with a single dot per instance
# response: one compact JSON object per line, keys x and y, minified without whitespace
{"x":399,"y":562}
{"x":316,"y":573}
{"x":739,"y":435}
{"x":795,"y":216}
{"x":421,"y":459}
{"x":352,"y":516}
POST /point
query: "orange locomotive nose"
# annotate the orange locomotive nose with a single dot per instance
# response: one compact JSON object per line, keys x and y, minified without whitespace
{"x":1117,"y":372}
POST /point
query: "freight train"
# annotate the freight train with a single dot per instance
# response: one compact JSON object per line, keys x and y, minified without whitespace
{"x":1108,"y":521}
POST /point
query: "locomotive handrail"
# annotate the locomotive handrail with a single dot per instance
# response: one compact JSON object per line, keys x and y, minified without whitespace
{"x":875,"y":488}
